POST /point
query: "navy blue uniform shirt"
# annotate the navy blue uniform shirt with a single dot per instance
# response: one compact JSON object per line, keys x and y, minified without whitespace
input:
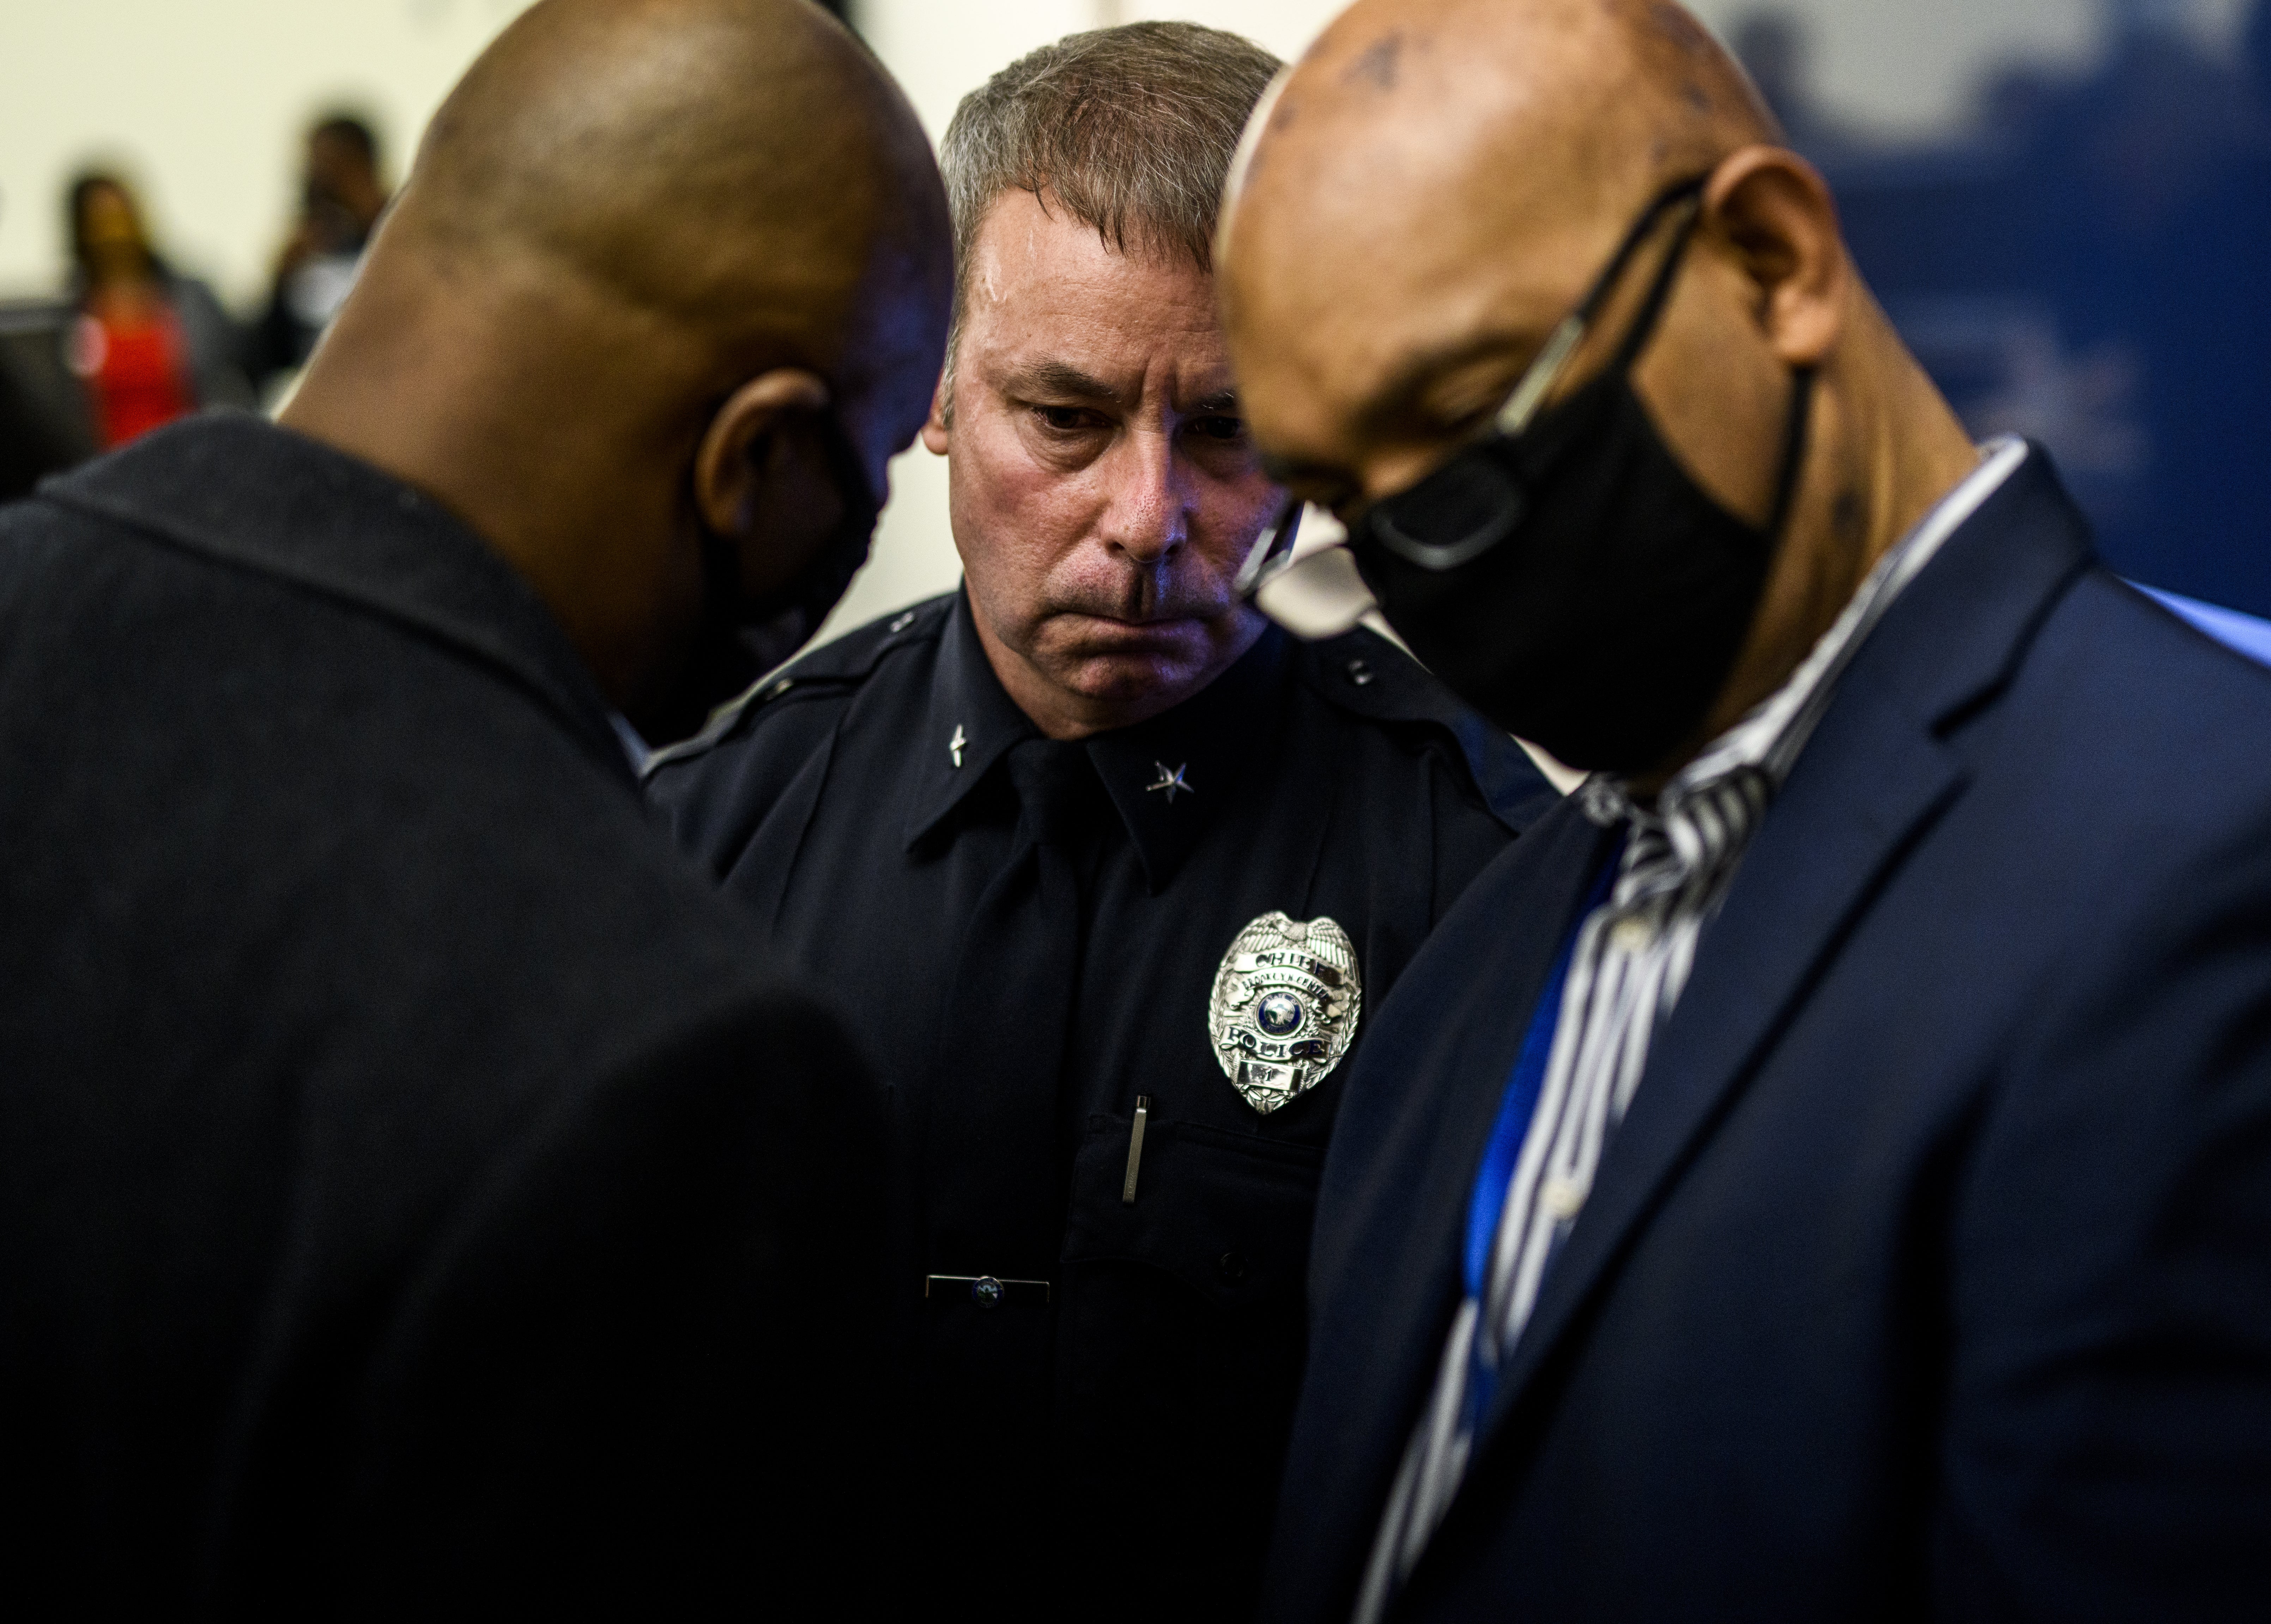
{"x":1111,"y":1434}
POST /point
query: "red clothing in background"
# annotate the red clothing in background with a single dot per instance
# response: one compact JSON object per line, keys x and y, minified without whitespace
{"x":135,"y":371}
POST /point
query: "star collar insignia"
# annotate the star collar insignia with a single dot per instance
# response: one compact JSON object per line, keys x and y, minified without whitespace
{"x":1171,"y":782}
{"x":956,"y":745}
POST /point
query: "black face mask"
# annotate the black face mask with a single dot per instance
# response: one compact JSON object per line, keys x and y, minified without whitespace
{"x":1565,"y":576}
{"x":741,"y":637}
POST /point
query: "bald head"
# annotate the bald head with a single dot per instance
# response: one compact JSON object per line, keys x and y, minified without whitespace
{"x":1438,"y":185}
{"x":743,"y":168}
{"x":1562,"y":99}
{"x":1421,"y":138}
{"x":663,"y":269}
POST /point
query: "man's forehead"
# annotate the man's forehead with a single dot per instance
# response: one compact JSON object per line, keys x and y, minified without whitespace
{"x":1352,"y":338}
{"x":1433,"y":170}
{"x":1027,"y":243}
{"x":1043,"y":288}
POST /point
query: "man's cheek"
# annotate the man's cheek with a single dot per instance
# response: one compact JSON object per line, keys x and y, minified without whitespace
{"x":1231,"y":513}
{"x":1017,"y":486}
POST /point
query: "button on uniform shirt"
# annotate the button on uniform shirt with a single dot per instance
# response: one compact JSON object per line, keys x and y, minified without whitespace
{"x":1103,"y":1241}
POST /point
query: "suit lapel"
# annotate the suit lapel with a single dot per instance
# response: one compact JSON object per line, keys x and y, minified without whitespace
{"x":1384,"y":1270}
{"x":1868,"y":785}
{"x":1872,"y":780}
{"x":1449,"y":1157}
{"x":1853,"y":805}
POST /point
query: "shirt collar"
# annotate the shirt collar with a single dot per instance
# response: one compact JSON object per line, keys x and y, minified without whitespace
{"x":970,"y":725}
{"x":1166,"y":777}
{"x":637,"y":751}
{"x":1769,"y":739}
{"x":1172,"y":775}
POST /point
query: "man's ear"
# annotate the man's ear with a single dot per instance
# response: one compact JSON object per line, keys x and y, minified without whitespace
{"x":941,"y":409}
{"x":727,"y":473}
{"x":1776,"y":211}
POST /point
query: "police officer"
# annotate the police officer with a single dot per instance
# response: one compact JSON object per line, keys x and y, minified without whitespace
{"x":1111,"y":873}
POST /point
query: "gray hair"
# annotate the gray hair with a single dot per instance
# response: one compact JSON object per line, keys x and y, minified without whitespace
{"x":1130,"y":130}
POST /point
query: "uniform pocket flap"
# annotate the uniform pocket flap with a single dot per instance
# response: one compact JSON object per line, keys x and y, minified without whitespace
{"x":1227,"y":1213}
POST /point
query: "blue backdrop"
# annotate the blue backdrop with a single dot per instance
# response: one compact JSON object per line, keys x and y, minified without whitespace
{"x":2090,"y":264}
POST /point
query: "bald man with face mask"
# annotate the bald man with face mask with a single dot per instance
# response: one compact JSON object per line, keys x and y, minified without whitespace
{"x":1824,"y":1171}
{"x":417,"y":1195}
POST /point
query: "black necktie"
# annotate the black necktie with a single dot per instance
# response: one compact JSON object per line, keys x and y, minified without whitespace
{"x":992,"y":1179}
{"x":992,"y":1157}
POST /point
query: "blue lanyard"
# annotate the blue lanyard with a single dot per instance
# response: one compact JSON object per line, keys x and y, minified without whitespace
{"x":1488,"y":1202}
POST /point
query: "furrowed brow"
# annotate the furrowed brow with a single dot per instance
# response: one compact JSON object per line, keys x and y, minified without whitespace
{"x":1060,"y":380}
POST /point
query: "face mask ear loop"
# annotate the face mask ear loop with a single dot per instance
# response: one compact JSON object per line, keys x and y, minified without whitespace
{"x":1793,"y":450}
{"x":1545,"y":372}
{"x":1684,"y":191}
{"x":1659,"y":294}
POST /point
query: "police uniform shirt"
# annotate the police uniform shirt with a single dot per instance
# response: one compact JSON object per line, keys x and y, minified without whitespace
{"x":1105,"y":1341}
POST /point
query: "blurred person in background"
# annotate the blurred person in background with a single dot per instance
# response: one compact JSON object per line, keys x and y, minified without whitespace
{"x":30,"y":447}
{"x":341,"y":197}
{"x":150,"y":345}
{"x":43,"y":420}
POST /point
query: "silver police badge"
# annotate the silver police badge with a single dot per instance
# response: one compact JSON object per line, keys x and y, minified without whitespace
{"x":1285,"y":1007}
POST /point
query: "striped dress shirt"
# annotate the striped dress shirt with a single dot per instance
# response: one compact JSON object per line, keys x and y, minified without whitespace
{"x":1631,"y":961}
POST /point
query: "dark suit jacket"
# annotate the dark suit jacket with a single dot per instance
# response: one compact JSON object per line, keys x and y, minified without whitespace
{"x":408,"y":1191}
{"x":1930,"y":1273}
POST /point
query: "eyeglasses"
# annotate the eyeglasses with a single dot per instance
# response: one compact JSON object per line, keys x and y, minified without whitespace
{"x":1468,"y":505}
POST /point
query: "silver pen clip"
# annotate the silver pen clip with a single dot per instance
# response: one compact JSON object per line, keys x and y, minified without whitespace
{"x":1135,"y":1149}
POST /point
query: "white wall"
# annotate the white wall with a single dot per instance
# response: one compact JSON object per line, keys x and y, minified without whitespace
{"x":941,"y":50}
{"x":203,"y":101}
